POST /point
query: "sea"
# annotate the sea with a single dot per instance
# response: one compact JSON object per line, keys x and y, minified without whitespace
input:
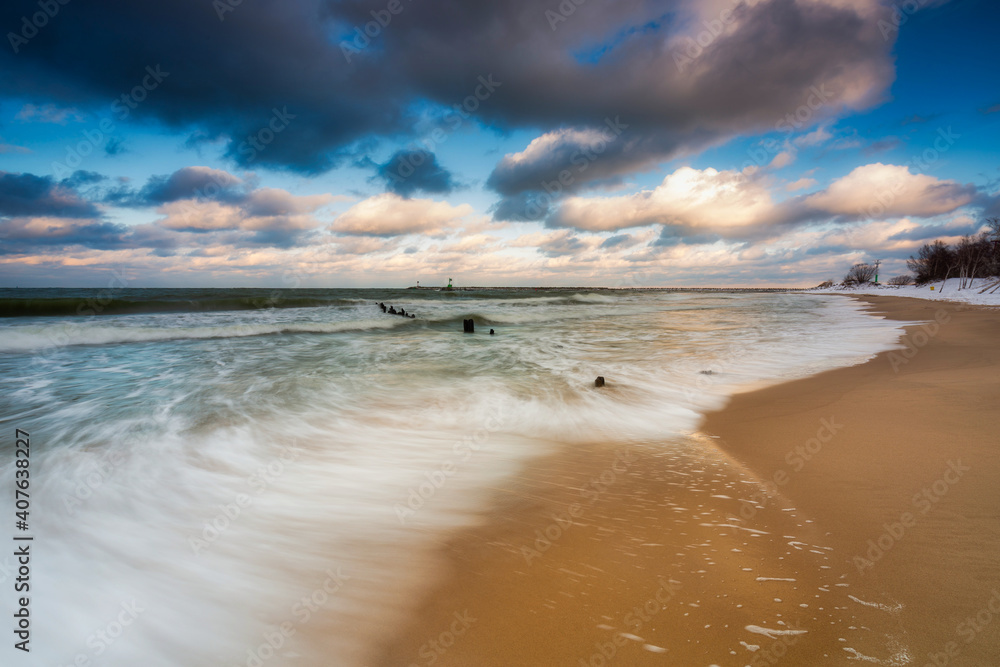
{"x":265,"y":477}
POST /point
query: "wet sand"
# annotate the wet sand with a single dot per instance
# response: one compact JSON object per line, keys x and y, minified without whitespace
{"x":875,"y":540}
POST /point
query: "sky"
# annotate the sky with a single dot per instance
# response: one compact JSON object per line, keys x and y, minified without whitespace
{"x":636,"y":143}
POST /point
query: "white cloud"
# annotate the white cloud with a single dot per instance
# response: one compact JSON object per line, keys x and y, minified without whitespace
{"x":688,"y":197}
{"x":782,"y":159}
{"x":541,"y":147}
{"x":818,"y":136}
{"x":391,"y":215}
{"x":264,"y":209}
{"x":800,"y":184}
{"x":274,"y":201}
{"x":876,"y":190}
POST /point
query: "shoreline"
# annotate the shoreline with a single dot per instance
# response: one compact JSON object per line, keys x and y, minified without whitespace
{"x":911,"y":488}
{"x":700,"y":553}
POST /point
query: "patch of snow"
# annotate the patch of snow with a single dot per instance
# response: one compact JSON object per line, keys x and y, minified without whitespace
{"x":950,"y":291}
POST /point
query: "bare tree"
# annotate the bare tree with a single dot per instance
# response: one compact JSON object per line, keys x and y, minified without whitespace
{"x":951,"y":267}
{"x":994,"y":225}
{"x":932,"y":262}
{"x":904,"y":279}
{"x":860,"y":274}
{"x":971,"y":256}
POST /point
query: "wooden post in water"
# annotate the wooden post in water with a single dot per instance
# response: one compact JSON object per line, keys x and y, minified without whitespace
{"x":469,"y":326}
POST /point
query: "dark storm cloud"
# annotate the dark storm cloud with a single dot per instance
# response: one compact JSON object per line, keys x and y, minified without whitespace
{"x":191,"y":183}
{"x":411,"y":171}
{"x":569,"y":160}
{"x":39,"y":215}
{"x":784,"y":58}
{"x":276,"y":81}
{"x":269,"y":77}
{"x":201,"y":183}
{"x":30,"y":195}
{"x":567,"y":156}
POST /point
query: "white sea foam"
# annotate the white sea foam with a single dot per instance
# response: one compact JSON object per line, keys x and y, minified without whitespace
{"x":772,"y":633}
{"x":893,"y":608}
{"x":234,"y":463}
{"x":93,"y":332}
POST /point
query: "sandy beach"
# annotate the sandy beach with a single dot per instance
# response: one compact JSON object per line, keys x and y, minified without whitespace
{"x":500,"y":333}
{"x":853,"y":515}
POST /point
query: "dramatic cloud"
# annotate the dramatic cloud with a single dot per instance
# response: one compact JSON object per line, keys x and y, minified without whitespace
{"x":692,"y":101}
{"x":686,"y":198}
{"x":295,"y":83}
{"x":30,"y":195}
{"x":215,"y":216}
{"x":409,"y":171}
{"x":266,"y":216}
{"x":552,"y":110}
{"x":566,"y":156}
{"x":237,"y":196}
{"x":876,"y":190}
{"x":41,"y":213}
{"x":740,"y":204}
{"x":190,"y":183}
{"x":392,"y":215}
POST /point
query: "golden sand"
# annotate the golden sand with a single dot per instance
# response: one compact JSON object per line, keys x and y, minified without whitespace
{"x":853,"y":515}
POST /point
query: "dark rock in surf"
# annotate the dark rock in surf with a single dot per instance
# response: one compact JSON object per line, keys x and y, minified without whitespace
{"x":468,"y":326}
{"x":492,"y":332}
{"x":599,"y":382}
